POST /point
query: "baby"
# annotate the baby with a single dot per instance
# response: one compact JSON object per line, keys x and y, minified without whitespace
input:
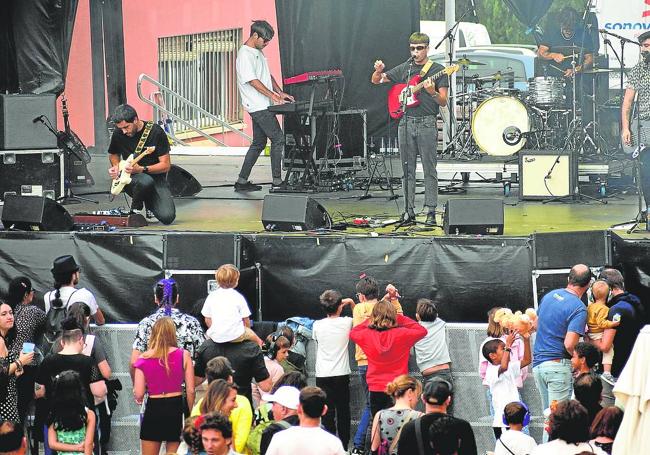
{"x":597,"y":322}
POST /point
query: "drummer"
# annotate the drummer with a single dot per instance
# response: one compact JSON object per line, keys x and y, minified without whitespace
{"x":564,"y":41}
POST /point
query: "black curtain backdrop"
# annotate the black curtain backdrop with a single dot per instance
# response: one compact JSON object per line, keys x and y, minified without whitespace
{"x":36,"y":44}
{"x":350,"y":35}
{"x":529,"y":12}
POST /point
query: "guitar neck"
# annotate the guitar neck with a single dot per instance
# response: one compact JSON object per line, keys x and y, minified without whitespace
{"x":139,"y":157}
{"x":418,"y":87}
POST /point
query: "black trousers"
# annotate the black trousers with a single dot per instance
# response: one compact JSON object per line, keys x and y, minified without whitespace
{"x":265,"y":126}
{"x":379,"y":401}
{"x":154,"y":192}
{"x":337,"y":418}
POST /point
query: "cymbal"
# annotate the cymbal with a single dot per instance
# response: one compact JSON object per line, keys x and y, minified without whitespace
{"x":466,"y":62}
{"x":598,"y":71}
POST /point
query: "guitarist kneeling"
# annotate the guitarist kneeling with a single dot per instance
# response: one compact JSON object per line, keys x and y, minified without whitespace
{"x":417,"y":132}
{"x":139,"y":156}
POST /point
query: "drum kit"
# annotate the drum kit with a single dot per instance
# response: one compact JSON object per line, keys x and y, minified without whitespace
{"x":496,"y":119}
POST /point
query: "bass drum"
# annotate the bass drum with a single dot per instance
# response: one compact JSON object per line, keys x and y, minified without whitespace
{"x":491,"y":119}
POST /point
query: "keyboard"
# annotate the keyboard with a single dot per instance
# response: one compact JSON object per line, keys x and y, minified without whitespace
{"x":302,"y":107}
{"x":313,"y":76}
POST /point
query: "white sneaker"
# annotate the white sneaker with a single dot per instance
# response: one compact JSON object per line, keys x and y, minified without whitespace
{"x":608,"y":378}
{"x":138,"y":212}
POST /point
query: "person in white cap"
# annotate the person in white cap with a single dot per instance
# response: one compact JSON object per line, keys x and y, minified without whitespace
{"x":285,"y":413}
{"x":309,"y":437}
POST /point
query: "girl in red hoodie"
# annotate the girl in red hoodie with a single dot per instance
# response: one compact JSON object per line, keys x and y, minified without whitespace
{"x":386,"y":338}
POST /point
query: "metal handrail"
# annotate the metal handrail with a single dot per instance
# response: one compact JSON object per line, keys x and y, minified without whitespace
{"x":168,"y":92}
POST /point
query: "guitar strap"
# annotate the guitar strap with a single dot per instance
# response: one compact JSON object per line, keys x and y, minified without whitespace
{"x":426,"y":68}
{"x":143,"y":138}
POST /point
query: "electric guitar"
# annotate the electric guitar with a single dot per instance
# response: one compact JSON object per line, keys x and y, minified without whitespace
{"x":124,"y":178}
{"x":399,"y":92}
{"x":644,"y":142}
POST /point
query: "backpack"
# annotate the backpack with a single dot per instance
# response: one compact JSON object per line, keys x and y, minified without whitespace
{"x":53,"y":319}
{"x":255,"y":436}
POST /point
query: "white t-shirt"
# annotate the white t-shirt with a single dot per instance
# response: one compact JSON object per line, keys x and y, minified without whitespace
{"x":226,"y":308}
{"x":252,"y":64}
{"x":560,"y":447}
{"x":305,"y":440}
{"x":67,"y":297}
{"x":332,"y":356}
{"x":518,"y":443}
{"x":503,"y":388}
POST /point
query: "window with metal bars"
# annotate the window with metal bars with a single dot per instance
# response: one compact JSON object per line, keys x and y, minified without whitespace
{"x":201,"y":68}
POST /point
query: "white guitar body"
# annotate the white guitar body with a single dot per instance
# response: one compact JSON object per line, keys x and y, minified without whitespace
{"x":408,"y":94}
{"x":124,"y":178}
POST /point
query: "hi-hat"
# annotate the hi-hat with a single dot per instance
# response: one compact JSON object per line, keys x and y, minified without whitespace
{"x":598,"y":71}
{"x":466,"y":62}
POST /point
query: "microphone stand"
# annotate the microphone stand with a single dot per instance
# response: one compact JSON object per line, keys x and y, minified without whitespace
{"x":623,"y":40}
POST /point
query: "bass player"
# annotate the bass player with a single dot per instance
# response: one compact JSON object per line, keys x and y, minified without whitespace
{"x":417,"y":131}
{"x":148,"y":188}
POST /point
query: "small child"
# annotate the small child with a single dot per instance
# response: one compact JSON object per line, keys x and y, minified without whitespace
{"x":432,"y":352}
{"x":501,"y":374}
{"x":225,"y":310}
{"x":71,"y":425}
{"x":597,"y":322}
{"x":332,"y":335}
{"x":513,"y":441}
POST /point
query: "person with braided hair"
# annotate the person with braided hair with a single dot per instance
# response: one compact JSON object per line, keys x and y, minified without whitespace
{"x":189,"y":332}
{"x":66,"y":273}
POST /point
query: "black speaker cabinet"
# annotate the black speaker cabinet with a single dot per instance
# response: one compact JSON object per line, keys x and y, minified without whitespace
{"x":546,"y":174}
{"x":35,"y":213}
{"x":18,"y":131}
{"x":293,"y":213}
{"x":563,"y":250}
{"x":206,"y":251}
{"x":473,"y":216}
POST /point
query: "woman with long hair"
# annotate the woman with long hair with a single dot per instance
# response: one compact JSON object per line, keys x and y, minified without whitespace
{"x":605,"y":426}
{"x":220,"y":397}
{"x":11,"y":365}
{"x":387,"y":424}
{"x":386,"y":338}
{"x":71,"y":425}
{"x":161,"y":371}
{"x":29,"y":321}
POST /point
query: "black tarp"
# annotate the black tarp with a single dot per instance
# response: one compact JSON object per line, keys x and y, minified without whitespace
{"x":632,"y":258}
{"x":37,"y":57}
{"x":356,"y":34}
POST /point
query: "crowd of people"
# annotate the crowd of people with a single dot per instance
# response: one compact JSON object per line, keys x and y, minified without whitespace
{"x":229,"y":389}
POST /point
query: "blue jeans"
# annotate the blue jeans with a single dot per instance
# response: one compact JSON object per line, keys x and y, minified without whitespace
{"x":360,"y":436}
{"x":554,"y":382}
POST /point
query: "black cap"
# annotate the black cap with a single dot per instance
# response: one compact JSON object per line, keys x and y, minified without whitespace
{"x":436,"y":391}
{"x":644,"y":36}
{"x":64,"y":264}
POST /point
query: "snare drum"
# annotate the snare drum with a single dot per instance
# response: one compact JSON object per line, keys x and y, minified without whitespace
{"x":546,"y":91}
{"x":491,"y":119}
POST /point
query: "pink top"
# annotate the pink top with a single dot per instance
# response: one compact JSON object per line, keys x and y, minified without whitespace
{"x":156,"y":377}
{"x":517,"y":354}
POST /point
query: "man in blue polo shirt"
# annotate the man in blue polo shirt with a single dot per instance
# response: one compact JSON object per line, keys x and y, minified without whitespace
{"x":562,"y":318}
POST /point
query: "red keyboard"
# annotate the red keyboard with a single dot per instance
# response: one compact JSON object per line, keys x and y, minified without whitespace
{"x":312,"y":76}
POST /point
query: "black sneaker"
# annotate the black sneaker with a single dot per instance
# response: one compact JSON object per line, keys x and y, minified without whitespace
{"x":407,"y":219}
{"x":278,"y":186}
{"x":248,"y":186}
{"x":431,"y":219}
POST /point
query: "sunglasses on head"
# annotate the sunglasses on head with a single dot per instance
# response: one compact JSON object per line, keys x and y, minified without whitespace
{"x":417,"y":48}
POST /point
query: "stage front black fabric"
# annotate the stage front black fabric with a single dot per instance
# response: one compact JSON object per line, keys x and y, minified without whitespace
{"x":39,"y":35}
{"x":632,"y":258}
{"x":350,"y":35}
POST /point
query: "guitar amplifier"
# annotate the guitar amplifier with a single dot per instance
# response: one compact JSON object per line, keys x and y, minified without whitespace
{"x":546,"y":174}
{"x":32,"y":173}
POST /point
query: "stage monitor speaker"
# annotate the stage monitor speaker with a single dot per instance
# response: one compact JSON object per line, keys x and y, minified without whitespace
{"x":35,"y":213}
{"x":21,"y":127}
{"x":473,"y":216}
{"x":546,"y":174}
{"x":182,"y":183}
{"x":293,"y":213}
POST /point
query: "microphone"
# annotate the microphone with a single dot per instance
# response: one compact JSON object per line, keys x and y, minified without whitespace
{"x":38,"y":119}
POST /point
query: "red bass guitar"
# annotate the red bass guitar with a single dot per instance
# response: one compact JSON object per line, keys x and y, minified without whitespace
{"x":399,"y":92}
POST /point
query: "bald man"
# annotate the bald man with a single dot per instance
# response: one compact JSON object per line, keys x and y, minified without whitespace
{"x":561,"y":322}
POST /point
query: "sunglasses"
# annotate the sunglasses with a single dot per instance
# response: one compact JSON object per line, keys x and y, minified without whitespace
{"x":417,"y":48}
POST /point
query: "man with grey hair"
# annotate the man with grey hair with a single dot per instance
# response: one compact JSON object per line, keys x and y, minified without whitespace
{"x":627,"y":309}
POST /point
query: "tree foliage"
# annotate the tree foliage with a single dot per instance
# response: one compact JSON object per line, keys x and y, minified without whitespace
{"x":502,"y":25}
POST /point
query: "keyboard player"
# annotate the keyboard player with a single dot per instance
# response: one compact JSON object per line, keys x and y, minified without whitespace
{"x":258,"y":90}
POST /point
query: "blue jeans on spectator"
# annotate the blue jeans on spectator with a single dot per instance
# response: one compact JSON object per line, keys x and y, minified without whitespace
{"x":360,"y":436}
{"x":554,"y":382}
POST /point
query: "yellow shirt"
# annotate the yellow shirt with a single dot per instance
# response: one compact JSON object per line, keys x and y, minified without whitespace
{"x":361,"y":312}
{"x":241,"y":419}
{"x":597,"y":318}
